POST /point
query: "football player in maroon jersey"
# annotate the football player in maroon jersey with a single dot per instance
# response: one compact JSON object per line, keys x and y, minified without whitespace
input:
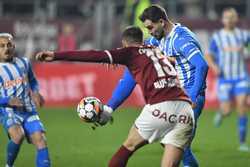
{"x":168,"y":114}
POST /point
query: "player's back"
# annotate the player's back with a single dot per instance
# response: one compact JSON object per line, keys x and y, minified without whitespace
{"x":155,"y":74}
{"x":14,"y":82}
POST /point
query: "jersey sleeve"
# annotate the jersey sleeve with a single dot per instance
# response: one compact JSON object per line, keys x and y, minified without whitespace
{"x":152,"y":41}
{"x":186,"y":46}
{"x":32,"y":79}
{"x":122,"y":91}
{"x":114,"y":56}
{"x":189,"y":48}
{"x":213,"y":48}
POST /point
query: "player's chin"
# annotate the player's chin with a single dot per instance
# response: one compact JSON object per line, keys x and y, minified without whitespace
{"x":8,"y":58}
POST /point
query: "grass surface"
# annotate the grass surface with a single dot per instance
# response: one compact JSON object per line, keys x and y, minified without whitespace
{"x":74,"y":144}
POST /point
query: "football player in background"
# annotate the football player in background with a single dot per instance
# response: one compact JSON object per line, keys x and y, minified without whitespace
{"x":168,"y":114}
{"x":226,"y":58}
{"x":19,"y":98}
{"x":178,"y":42}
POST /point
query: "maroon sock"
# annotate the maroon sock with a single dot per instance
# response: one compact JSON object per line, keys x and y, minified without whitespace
{"x":120,"y":158}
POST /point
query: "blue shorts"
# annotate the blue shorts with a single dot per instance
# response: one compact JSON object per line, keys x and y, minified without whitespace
{"x":228,"y":89}
{"x":29,"y":121}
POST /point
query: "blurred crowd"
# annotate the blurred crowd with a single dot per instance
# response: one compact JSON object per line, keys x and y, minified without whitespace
{"x":75,"y":24}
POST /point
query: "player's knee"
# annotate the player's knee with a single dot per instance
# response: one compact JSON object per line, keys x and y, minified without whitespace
{"x":130,"y":145}
{"x":39,"y":140}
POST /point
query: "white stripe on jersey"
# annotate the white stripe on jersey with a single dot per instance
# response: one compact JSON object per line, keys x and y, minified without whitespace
{"x":230,"y":52}
{"x":20,"y":86}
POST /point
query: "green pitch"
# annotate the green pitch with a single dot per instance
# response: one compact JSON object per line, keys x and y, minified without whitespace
{"x":74,"y":144}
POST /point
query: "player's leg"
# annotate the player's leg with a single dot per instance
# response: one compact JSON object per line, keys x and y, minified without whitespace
{"x":241,"y":90}
{"x":189,"y":159}
{"x":180,"y":137}
{"x":225,"y":89}
{"x":172,"y":156}
{"x":16,"y":135}
{"x":35,"y":130}
{"x":133,"y":142}
{"x":42,"y":157}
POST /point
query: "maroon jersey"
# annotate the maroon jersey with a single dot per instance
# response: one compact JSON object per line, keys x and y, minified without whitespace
{"x":150,"y":69}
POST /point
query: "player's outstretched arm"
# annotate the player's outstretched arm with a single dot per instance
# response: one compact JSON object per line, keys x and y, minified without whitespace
{"x":45,"y":56}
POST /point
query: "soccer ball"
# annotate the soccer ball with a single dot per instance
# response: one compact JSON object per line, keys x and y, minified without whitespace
{"x":89,"y":109}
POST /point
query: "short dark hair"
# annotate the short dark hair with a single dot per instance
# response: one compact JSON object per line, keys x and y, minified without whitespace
{"x":153,"y":13}
{"x":133,"y":34}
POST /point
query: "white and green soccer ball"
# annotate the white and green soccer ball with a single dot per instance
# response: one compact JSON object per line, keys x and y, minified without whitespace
{"x":89,"y":108}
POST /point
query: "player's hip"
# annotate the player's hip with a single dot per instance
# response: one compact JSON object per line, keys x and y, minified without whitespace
{"x":167,"y":121}
{"x":168,"y":113}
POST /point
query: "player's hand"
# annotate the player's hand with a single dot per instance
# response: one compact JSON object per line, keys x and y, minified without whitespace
{"x":15,"y":102}
{"x":105,"y":116}
{"x":45,"y":56}
{"x":37,"y":98}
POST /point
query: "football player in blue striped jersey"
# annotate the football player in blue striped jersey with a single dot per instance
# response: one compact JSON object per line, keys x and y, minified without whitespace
{"x":178,"y":43}
{"x":19,"y":98}
{"x":226,"y":58}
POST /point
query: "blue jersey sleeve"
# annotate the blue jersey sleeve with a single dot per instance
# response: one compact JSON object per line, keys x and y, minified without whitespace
{"x":213,"y":50}
{"x":152,"y":41}
{"x":32,"y":79}
{"x":122,"y":90}
{"x":3,"y":100}
{"x":190,"y":49}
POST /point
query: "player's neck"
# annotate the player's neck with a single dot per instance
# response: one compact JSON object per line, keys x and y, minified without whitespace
{"x":134,"y":45}
{"x":229,"y":29}
{"x":168,"y":27}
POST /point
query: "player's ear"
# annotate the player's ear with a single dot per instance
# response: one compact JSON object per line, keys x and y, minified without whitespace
{"x":162,"y":22}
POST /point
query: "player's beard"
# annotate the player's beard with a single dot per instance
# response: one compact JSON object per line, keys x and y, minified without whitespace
{"x":159,"y":33}
{"x":9,"y":56}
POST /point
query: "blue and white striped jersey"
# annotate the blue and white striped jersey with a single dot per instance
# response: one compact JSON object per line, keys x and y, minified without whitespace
{"x":17,"y":80}
{"x":227,"y":49}
{"x":182,"y":44}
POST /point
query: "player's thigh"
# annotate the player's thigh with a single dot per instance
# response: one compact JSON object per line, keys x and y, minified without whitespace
{"x":181,"y":134}
{"x":152,"y":123}
{"x":241,"y":103}
{"x":158,"y":120}
{"x":33,"y":124}
{"x":224,"y":90}
{"x":38,"y":139}
{"x":241,"y":90}
{"x":172,"y":156}
{"x":34,"y":127}
{"x":134,"y":140}
{"x":12,"y":125}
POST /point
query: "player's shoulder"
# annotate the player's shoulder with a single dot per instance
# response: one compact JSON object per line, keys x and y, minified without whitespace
{"x":242,"y":30}
{"x":151,"y":41}
{"x":217,"y":33}
{"x":183,"y":33}
{"x":23,"y":60}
